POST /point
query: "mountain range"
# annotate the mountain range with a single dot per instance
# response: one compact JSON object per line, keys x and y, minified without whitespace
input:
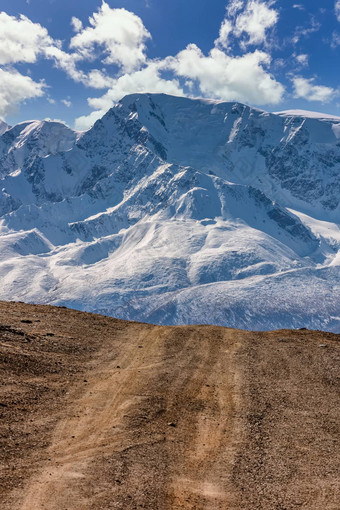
{"x":175,"y":211}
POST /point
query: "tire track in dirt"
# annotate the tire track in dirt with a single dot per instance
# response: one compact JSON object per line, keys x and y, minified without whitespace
{"x":100,"y":423}
{"x":203,"y":471}
{"x":87,"y":432}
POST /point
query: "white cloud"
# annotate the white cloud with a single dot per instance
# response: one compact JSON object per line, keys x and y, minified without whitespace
{"x":279,"y":63}
{"x":48,"y":119}
{"x":21,"y":40}
{"x":234,"y":6}
{"x":225,"y":31}
{"x":120,"y":32}
{"x":16,"y":88}
{"x":229,"y":78}
{"x":251,"y":19}
{"x":255,"y":20}
{"x":146,"y":80}
{"x":305,"y":89}
{"x":337,"y":9}
{"x":66,"y":102}
{"x":67,"y":62}
{"x":306,"y":31}
{"x":76,"y":24}
{"x":99,"y":80}
{"x":86,"y":121}
{"x":302,"y":59}
{"x":299,"y":7}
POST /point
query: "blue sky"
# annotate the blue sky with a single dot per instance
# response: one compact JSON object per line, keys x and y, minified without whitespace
{"x":72,"y":60}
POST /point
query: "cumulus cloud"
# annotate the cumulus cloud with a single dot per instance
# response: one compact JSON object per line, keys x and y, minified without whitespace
{"x":248,"y":22}
{"x":119,"y":32}
{"x":97,"y":79}
{"x":84,"y":122}
{"x":66,"y":102}
{"x":21,"y":40}
{"x":65,"y":61}
{"x":145,"y":80}
{"x":304,"y":88}
{"x":219,"y":75}
{"x":15,"y":88}
{"x":255,"y":20}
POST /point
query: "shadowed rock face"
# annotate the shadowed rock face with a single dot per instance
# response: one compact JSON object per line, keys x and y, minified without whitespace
{"x":3,"y":127}
{"x":298,"y":154}
{"x":109,"y":414}
{"x":177,"y":211}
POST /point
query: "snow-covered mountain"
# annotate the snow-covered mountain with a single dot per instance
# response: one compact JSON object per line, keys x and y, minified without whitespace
{"x":174,"y":210}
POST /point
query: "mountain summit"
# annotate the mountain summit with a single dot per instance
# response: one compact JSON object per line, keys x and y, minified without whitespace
{"x":174,"y":210}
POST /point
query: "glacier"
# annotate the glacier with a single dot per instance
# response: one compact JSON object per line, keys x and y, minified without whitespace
{"x":176,"y":211}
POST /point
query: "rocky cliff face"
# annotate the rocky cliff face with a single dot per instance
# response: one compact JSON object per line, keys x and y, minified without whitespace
{"x":293,"y":158}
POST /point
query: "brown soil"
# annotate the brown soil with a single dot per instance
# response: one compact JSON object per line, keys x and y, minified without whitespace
{"x":97,"y":413}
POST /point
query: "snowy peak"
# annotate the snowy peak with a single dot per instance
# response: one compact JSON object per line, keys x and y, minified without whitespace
{"x":42,"y":137}
{"x":293,"y":159}
{"x":176,"y":210}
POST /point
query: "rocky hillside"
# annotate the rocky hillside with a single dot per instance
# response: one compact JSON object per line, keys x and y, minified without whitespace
{"x":100,"y":413}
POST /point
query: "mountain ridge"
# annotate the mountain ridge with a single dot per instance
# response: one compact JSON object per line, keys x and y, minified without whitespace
{"x":168,"y":198}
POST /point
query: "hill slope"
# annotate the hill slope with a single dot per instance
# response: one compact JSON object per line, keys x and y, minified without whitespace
{"x":100,"y":413}
{"x":176,"y":211}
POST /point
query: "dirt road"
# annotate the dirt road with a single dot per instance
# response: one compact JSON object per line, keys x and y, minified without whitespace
{"x":105,"y":414}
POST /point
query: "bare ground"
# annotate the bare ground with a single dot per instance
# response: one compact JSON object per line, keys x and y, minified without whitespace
{"x":97,"y":413}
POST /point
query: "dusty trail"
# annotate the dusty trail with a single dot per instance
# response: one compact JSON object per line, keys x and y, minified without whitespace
{"x":192,"y":418}
{"x":93,"y":428}
{"x":194,"y":423}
